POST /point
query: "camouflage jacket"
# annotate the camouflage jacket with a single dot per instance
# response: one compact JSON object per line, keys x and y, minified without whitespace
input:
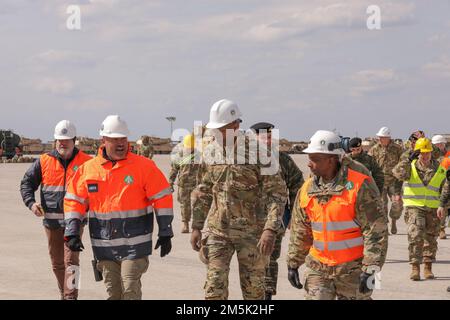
{"x":146,"y":151}
{"x":237,"y":196}
{"x":185,"y":168}
{"x":387,"y":158}
{"x":292,"y":175}
{"x":369,"y":216}
{"x":445,"y":194}
{"x":375,"y":170}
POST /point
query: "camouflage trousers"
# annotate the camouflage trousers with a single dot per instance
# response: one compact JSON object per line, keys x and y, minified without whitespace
{"x":423,"y":231}
{"x":184,"y":198}
{"x":251,"y":265}
{"x":271,"y":278}
{"x":444,"y":221}
{"x":397,"y":206}
{"x":340,"y":282}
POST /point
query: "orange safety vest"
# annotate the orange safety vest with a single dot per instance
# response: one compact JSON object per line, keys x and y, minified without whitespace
{"x":337,"y":237}
{"x":120,"y":201}
{"x":446,"y":162}
{"x":54,"y":182}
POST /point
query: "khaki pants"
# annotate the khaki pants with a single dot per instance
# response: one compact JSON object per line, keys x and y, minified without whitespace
{"x":65,"y":263}
{"x":123,"y":278}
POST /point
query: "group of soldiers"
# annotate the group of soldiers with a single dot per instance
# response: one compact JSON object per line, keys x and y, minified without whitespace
{"x":237,"y":202}
{"x":222,"y":194}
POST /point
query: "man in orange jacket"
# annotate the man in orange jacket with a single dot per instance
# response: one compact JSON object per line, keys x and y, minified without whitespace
{"x":51,"y":172}
{"x":119,"y":192}
{"x":338,"y":227}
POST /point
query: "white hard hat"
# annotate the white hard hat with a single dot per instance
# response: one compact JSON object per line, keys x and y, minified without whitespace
{"x":223,"y":112}
{"x":438,"y":139}
{"x":65,"y":130}
{"x":114,"y":127}
{"x":326,"y":142}
{"x":384,"y":132}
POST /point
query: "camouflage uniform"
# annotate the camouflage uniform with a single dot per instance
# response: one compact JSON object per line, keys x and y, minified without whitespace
{"x":375,"y":170}
{"x":293,"y":177}
{"x":146,"y":149}
{"x":440,"y":156}
{"x":188,"y":174}
{"x":423,"y":223}
{"x":342,"y":281}
{"x":445,"y":195}
{"x":387,"y":158}
{"x":239,"y":203}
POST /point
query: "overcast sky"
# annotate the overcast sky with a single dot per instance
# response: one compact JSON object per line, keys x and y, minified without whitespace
{"x":303,"y":65}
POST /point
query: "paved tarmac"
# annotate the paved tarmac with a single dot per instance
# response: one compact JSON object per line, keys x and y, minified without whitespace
{"x":25,"y":271}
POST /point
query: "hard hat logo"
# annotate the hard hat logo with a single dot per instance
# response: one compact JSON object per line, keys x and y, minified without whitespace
{"x":233,"y":112}
{"x":64,"y":131}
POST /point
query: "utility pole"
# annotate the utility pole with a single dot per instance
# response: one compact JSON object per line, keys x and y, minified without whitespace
{"x":171,"y":119}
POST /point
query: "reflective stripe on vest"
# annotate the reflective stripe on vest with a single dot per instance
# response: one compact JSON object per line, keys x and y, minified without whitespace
{"x":53,"y":178}
{"x":122,"y":241}
{"x":416,"y":194}
{"x":337,"y":237}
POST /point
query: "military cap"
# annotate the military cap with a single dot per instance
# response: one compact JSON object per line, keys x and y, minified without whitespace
{"x":262,"y":126}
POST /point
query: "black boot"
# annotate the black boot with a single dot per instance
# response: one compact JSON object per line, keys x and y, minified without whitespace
{"x":268,"y":296}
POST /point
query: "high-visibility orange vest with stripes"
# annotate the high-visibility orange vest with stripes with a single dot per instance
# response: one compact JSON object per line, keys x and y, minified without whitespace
{"x":337,"y":237}
{"x":54,"y":181}
{"x":120,"y":201}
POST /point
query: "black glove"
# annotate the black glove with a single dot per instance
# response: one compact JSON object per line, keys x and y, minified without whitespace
{"x":448,"y":174}
{"x":166,"y":245}
{"x":363,"y":282}
{"x":294,"y":278}
{"x":74,"y":243}
{"x":413,"y":155}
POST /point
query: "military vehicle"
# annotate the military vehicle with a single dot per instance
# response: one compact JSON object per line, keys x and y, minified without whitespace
{"x":8,"y":142}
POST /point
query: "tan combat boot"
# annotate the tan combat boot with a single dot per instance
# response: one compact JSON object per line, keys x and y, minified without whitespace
{"x":393,"y":226}
{"x":415,"y":273}
{"x":442,"y":234}
{"x":427,"y":273}
{"x":185,"y":227}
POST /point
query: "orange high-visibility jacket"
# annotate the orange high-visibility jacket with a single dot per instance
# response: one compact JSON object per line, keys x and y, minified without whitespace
{"x":52,"y":173}
{"x":119,"y":201}
{"x":337,"y":237}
